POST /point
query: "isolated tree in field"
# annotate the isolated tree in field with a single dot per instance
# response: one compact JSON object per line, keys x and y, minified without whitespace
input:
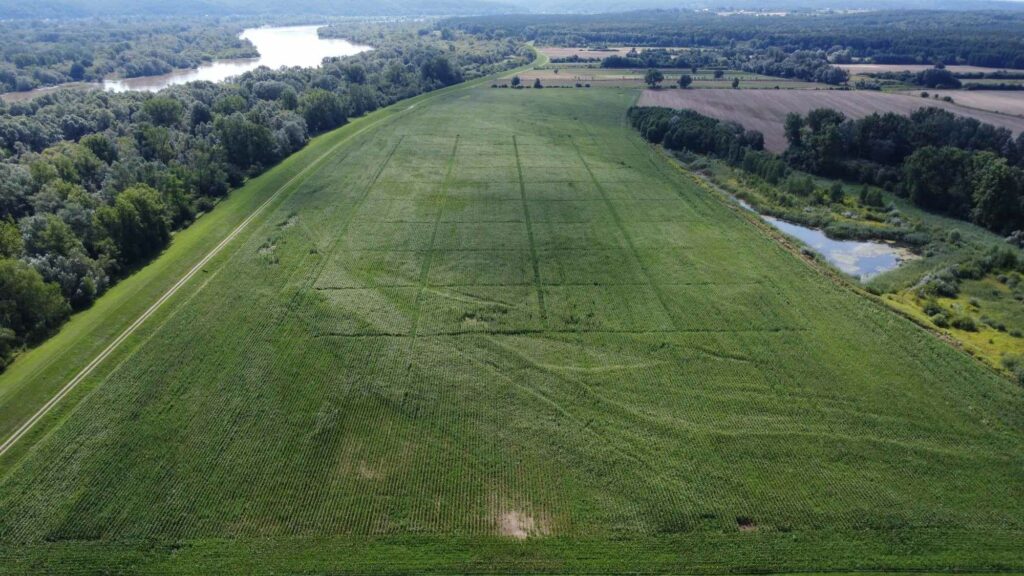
{"x":653,"y":77}
{"x":685,"y":80}
{"x":516,"y":81}
{"x":537,"y":84}
{"x":735,"y":82}
{"x":719,"y":74}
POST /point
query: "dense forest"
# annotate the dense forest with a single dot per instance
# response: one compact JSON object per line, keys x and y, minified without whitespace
{"x":37,"y":53}
{"x":925,"y":37}
{"x":92,"y":184}
{"x":943,"y":163}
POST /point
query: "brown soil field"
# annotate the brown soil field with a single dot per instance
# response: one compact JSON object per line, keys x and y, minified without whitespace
{"x":765,"y":110}
{"x":1003,"y":101}
{"x":563,"y":52}
{"x":956,"y":69}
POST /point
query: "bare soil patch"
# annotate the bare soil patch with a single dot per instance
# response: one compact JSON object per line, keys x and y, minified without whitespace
{"x":765,"y":110}
{"x":746,"y":524}
{"x":519,"y":525}
{"x":1002,"y":101}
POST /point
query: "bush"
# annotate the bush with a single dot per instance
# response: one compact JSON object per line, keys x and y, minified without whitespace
{"x":963,"y":322}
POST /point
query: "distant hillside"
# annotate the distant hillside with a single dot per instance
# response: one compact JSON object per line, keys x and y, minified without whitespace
{"x":595,"y":6}
{"x":20,"y":9}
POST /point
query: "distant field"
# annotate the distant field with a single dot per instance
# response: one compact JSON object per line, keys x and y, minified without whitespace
{"x":869,"y":68}
{"x":498,"y":333}
{"x":613,"y":77}
{"x":563,"y":52}
{"x":1003,"y":101}
{"x":766,"y":110}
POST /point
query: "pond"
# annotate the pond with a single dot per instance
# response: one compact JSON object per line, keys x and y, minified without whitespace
{"x":860,"y":259}
{"x":278,"y":46}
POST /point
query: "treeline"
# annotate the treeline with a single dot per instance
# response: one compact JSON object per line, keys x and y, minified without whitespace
{"x":803,"y":65}
{"x":47,"y":53}
{"x":92,"y":184}
{"x":693,"y":132}
{"x":942,"y":162}
{"x":937,"y":77}
{"x":990,"y":39}
{"x":660,"y":58}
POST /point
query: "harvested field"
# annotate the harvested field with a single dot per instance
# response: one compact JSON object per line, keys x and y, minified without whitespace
{"x":766,"y":110}
{"x":563,"y":52}
{"x":872,"y":68}
{"x":1002,"y":101}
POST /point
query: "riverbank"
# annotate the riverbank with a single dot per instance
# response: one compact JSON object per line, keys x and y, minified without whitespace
{"x":278,"y":46}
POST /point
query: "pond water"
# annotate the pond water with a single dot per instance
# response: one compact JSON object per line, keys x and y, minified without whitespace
{"x":278,"y":46}
{"x":861,"y":259}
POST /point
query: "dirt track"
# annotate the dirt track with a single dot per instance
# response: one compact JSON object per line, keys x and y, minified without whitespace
{"x":765,"y":110}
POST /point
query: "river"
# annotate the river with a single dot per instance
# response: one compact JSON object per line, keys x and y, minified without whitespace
{"x":278,"y":46}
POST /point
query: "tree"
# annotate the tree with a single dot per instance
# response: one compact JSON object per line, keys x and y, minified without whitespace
{"x":938,"y":179}
{"x":245,"y":143}
{"x":322,"y":110}
{"x":937,"y":78}
{"x":996,"y":194}
{"x":870,"y":197}
{"x":11,"y":244}
{"x":101,"y":146}
{"x":653,"y":77}
{"x":719,"y":74}
{"x":440,"y":69}
{"x":516,"y":81}
{"x":537,"y":84}
{"x":136,"y":224}
{"x":685,"y":80}
{"x":163,"y":111}
{"x":735,"y":82}
{"x":835,"y":193}
{"x":30,"y":309}
{"x":77,"y":71}
{"x":793,"y":127}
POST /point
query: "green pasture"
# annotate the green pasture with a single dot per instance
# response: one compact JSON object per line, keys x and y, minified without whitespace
{"x":493,"y":331}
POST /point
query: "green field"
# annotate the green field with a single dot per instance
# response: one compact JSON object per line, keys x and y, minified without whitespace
{"x":493,"y":331}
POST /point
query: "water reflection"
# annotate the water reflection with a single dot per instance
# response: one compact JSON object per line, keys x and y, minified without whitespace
{"x":861,"y":259}
{"x":279,"y":46}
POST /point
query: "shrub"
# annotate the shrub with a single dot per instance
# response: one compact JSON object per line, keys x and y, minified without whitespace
{"x":963,"y":322}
